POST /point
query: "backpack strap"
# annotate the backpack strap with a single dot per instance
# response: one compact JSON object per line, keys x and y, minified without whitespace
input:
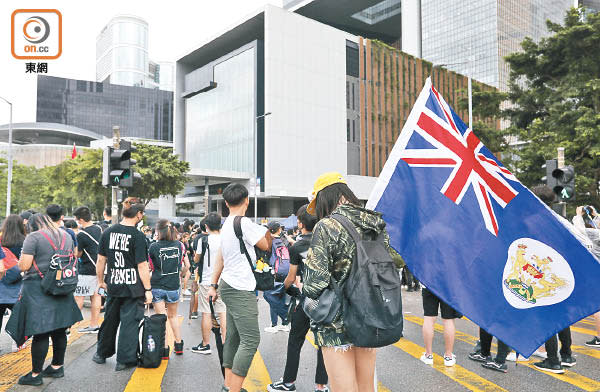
{"x":52,"y":242}
{"x":89,"y":235}
{"x":346,"y":224}
{"x":237,"y":229}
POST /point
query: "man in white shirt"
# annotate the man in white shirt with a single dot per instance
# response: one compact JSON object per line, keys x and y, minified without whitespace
{"x":236,"y":287}
{"x":207,"y":258}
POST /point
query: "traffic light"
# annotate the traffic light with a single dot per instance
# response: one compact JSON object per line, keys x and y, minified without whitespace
{"x":565,"y":183}
{"x":117,"y":166}
{"x":549,"y":167}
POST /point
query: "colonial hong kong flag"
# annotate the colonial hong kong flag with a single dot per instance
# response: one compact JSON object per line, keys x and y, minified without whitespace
{"x":476,"y":237}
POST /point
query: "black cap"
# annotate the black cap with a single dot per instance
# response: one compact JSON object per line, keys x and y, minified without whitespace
{"x":273,"y":226}
{"x":25,"y":215}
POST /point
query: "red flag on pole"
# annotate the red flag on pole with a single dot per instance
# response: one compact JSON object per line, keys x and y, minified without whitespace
{"x":74,"y":153}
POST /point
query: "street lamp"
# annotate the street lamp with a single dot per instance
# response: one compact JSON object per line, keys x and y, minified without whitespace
{"x":256,"y":164}
{"x":10,"y":163}
{"x":470,"y":89}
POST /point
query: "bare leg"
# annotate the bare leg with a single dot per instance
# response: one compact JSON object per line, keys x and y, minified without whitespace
{"x":428,"y":322}
{"x":206,"y":328}
{"x":223,"y":323}
{"x":341,"y":369}
{"x":449,"y":332}
{"x":79,"y":302}
{"x":172,"y":316}
{"x":597,"y":318}
{"x":365,"y":368}
{"x":233,"y":381}
{"x":96,"y":303}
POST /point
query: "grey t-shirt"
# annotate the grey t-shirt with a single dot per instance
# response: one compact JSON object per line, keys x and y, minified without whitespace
{"x":38,"y":246}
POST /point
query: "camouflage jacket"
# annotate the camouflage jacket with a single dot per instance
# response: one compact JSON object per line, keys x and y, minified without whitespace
{"x":331,"y":253}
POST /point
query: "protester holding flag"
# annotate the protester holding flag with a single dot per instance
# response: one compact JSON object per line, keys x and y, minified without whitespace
{"x":331,"y":256}
{"x":468,"y":219}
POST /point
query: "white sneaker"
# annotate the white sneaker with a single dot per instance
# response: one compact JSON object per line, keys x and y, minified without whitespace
{"x":427,"y":359}
{"x":187,"y":292}
{"x":512,"y":356}
{"x":284,"y":328}
{"x":540,"y":354}
{"x":450,"y":361}
{"x":272,"y":329}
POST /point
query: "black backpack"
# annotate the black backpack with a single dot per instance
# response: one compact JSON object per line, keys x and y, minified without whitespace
{"x":62,"y":275}
{"x":151,"y":340}
{"x":372,"y":305}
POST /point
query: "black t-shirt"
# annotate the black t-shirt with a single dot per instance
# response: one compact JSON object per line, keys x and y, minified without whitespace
{"x":298,"y":252}
{"x":124,"y":247}
{"x":166,"y":258}
{"x":88,"y":240}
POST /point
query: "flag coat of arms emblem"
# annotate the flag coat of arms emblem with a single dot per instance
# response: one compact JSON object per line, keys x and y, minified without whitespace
{"x":476,"y":237}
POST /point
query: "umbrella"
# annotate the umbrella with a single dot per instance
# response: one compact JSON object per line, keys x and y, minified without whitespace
{"x":216,"y":328}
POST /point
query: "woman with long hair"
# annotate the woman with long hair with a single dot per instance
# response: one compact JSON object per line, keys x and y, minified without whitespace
{"x":41,"y":315}
{"x":168,"y":261}
{"x":332,"y":251}
{"x":13,"y":235}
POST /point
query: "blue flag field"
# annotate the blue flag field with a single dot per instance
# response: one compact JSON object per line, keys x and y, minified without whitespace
{"x":476,"y":237}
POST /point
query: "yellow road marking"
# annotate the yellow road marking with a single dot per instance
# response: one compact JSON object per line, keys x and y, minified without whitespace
{"x":464,"y":377}
{"x":17,"y":364}
{"x":258,"y":376}
{"x":150,"y":380}
{"x":569,"y":377}
{"x":584,"y":331}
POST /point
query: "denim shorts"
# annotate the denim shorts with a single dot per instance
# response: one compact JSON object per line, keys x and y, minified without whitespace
{"x":168,"y":296}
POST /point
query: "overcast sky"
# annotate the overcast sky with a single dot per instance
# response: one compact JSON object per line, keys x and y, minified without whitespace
{"x":175,"y":26}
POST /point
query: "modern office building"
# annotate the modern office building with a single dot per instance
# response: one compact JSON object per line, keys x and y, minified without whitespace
{"x":337,"y":102}
{"x":94,"y":106}
{"x":122,"y":55}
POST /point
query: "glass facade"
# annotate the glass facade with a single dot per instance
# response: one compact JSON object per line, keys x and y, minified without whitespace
{"x":140,"y":112}
{"x":473,"y":36}
{"x":220,"y":122}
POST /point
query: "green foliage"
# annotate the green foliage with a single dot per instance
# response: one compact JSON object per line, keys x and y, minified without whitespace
{"x":77,"y":182}
{"x":162,"y":172}
{"x":555,"y":96}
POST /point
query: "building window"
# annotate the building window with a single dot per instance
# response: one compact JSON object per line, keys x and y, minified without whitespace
{"x":351,"y":59}
{"x":353,"y":104}
{"x":347,"y":95}
{"x":354,"y":131}
{"x":81,"y":85}
{"x":348,"y":130}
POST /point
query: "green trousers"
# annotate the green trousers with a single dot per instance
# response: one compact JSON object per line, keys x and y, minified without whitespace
{"x":243,"y":334}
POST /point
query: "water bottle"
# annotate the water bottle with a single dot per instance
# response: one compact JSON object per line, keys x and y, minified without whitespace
{"x":151,"y":344}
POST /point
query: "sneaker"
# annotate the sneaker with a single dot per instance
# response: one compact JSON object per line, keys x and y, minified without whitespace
{"x":98,"y":359}
{"x":595,"y":342}
{"x":89,"y":329}
{"x":540,"y":354}
{"x":512,"y":357}
{"x":54,"y":373}
{"x":568,"y":361}
{"x":493,"y":365}
{"x":200,"y":349}
{"x":123,"y":366}
{"x":284,"y":328}
{"x":326,"y":389}
{"x":450,"y":361}
{"x":427,"y":359}
{"x":28,"y":379}
{"x":194,"y":315}
{"x":272,"y":329}
{"x":280,"y":386}
{"x":178,"y":348}
{"x":166,"y":352}
{"x":187,"y":292}
{"x":479,"y":357}
{"x":547,"y":366}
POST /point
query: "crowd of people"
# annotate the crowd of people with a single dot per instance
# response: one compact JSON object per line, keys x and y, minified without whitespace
{"x":125,"y":267}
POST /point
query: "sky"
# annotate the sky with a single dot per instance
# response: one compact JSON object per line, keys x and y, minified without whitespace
{"x":175,"y":26}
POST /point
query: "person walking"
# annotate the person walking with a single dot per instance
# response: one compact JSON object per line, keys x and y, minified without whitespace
{"x":88,"y":239}
{"x":276,"y":297}
{"x":168,"y":261}
{"x":207,"y":259}
{"x":331,"y":255}
{"x":41,"y":315}
{"x":237,"y":287}
{"x":13,"y":235}
{"x":300,"y":323}
{"x":483,"y":354}
{"x":123,"y":249}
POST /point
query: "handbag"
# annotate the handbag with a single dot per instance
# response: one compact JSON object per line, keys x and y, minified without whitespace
{"x":324,"y":309}
{"x":264,"y":280}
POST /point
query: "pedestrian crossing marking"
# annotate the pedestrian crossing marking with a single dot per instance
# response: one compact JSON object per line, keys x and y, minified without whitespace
{"x":464,"y":377}
{"x":569,"y":376}
{"x":258,"y":377}
{"x":584,"y":331}
{"x":150,"y":380}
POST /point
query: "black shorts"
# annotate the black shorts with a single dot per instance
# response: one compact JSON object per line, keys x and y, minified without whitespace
{"x":431,"y":303}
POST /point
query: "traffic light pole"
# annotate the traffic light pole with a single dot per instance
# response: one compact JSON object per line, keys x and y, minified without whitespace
{"x":561,"y":164}
{"x":114,"y":205}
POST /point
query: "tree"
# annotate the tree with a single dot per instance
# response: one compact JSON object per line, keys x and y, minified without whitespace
{"x":27,"y":184}
{"x":554,"y":94}
{"x":162,"y":172}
